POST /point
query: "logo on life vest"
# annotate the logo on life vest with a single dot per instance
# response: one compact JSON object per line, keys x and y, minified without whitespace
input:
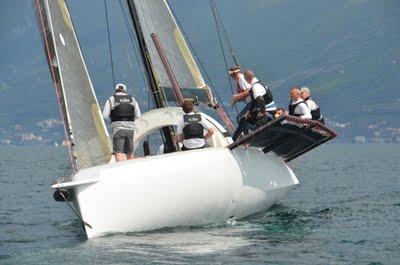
{"x":192,"y":118}
{"x":124,"y":100}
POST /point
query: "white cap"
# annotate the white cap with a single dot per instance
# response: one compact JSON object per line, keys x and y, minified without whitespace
{"x":234,"y":71}
{"x":305,"y":89}
{"x":121,"y":85}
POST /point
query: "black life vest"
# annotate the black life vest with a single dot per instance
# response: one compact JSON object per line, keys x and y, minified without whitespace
{"x":292,"y":108}
{"x":268,"y":98}
{"x":316,"y":113}
{"x":122,"y":110}
{"x":193,"y":128}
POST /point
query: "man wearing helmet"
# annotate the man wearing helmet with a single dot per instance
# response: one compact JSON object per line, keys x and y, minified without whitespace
{"x":122,"y":109}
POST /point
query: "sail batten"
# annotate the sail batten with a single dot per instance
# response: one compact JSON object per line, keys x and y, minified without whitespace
{"x":85,"y":128}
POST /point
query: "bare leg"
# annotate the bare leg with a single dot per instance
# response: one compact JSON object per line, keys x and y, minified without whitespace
{"x":130,"y":156}
{"x":120,"y":157}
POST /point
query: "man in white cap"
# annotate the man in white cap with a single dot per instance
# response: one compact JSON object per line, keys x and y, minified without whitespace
{"x":242,"y":90}
{"x":122,"y":109}
{"x":314,"y":108}
{"x":241,"y":85}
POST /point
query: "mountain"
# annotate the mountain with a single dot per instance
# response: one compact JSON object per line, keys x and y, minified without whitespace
{"x":346,"y":51}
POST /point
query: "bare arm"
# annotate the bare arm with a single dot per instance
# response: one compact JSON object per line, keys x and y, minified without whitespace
{"x":180,"y":138}
{"x":209,"y":133}
{"x":240,"y":96}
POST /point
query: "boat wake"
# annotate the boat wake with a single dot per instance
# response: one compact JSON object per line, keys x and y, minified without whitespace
{"x":277,"y":225}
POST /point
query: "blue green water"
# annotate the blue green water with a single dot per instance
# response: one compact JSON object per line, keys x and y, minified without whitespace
{"x":345,"y":211}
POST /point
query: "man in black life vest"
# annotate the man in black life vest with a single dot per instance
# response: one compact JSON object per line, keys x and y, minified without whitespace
{"x":297,"y":106}
{"x":261,"y":107}
{"x":191,"y":128}
{"x":122,"y":109}
{"x":314,"y":108}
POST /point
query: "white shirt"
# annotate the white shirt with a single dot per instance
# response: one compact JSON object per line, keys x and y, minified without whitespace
{"x":258,"y":91}
{"x":194,"y":142}
{"x":257,"y":88}
{"x":302,"y":109}
{"x":243,"y":85}
{"x":311,"y":104}
{"x":118,"y":125}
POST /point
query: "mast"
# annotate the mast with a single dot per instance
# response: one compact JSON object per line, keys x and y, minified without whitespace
{"x":171,"y":68}
{"x":44,"y":26}
{"x":151,"y":78}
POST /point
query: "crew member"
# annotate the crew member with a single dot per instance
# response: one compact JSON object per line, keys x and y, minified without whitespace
{"x":279,"y":112}
{"x":314,"y":108}
{"x":297,"y":106}
{"x":242,"y":90}
{"x":122,"y":109}
{"x":191,"y":128}
{"x":262,"y":105}
{"x":241,"y":85}
{"x":260,"y":91}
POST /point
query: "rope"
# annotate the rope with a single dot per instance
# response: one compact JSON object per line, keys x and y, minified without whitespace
{"x":73,"y":210}
{"x":109,"y":43}
{"x":213,"y":8}
{"x":225,"y":34}
{"x":136,"y":53}
{"x":202,"y":67}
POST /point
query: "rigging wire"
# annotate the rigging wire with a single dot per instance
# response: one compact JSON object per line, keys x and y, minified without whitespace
{"x":201,"y":64}
{"x":134,"y":45}
{"x":136,"y":53}
{"x":213,"y":8}
{"x":109,"y":43}
{"x":73,"y":210}
{"x":225,"y":32}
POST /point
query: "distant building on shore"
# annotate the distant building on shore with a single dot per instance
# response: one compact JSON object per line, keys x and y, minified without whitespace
{"x":5,"y":142}
{"x":360,"y":139}
{"x":377,"y":140}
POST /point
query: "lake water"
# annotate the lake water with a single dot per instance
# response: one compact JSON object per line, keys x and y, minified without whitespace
{"x":346,"y":210}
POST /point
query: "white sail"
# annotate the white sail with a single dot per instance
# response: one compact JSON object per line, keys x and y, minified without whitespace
{"x":155,"y":16}
{"x":85,"y":128}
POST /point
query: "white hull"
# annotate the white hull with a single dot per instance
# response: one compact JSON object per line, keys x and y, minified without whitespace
{"x":181,"y":189}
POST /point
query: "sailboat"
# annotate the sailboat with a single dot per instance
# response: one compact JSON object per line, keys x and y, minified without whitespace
{"x":226,"y":181}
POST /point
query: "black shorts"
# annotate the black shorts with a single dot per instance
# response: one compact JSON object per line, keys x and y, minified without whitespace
{"x":123,"y":142}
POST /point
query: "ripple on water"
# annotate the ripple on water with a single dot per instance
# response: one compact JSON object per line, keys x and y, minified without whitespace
{"x":339,"y":214}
